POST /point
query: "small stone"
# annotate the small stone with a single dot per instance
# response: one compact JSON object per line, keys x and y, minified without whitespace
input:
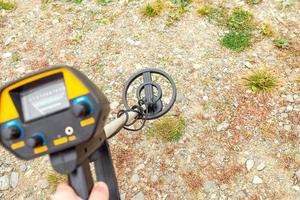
{"x":6,"y":55}
{"x":20,"y":70}
{"x":4,"y":183}
{"x":135,"y":178}
{"x":114,"y":105}
{"x":296,"y":187}
{"x":257,"y":180}
{"x":261,"y":166}
{"x":209,"y":186}
{"x":248,"y":64}
{"x":154,"y":178}
{"x":287,"y":127}
{"x":284,"y":115}
{"x":43,"y":184}
{"x":23,"y":168}
{"x":8,"y":40}
{"x":14,"y":179}
{"x":223,"y":126}
{"x":123,"y":196}
{"x":138,"y":196}
{"x":249,"y":164}
{"x":205,"y":98}
{"x":297,"y":173}
{"x":206,"y":116}
{"x":290,"y":98}
{"x":29,"y":198}
{"x":289,"y":108}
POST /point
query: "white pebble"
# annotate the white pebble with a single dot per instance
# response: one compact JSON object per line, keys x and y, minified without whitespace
{"x":249,"y":164}
{"x":257,"y":180}
{"x":261,"y":166}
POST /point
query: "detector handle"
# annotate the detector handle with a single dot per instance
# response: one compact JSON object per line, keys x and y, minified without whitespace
{"x":105,"y":170}
{"x":81,"y":180}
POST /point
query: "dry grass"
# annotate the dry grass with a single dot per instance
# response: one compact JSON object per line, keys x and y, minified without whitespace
{"x":55,"y":179}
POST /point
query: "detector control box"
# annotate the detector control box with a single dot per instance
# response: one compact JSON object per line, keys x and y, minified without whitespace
{"x":50,"y":111}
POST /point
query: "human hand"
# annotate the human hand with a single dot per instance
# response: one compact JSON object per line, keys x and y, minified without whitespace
{"x":65,"y":192}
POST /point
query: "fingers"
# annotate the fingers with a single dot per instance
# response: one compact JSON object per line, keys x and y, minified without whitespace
{"x":64,"y":192}
{"x":99,"y":192}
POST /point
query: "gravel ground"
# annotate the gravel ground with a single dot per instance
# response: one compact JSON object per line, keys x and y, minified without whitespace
{"x":236,"y":145}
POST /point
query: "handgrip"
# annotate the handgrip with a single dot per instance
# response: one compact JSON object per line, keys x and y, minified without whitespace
{"x":81,"y":180}
{"x":105,"y":170}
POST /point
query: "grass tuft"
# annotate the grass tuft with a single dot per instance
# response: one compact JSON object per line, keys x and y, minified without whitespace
{"x":6,"y":5}
{"x":217,"y":15}
{"x":266,"y":30}
{"x":182,"y":3}
{"x":254,"y":2}
{"x":240,"y":20}
{"x":237,"y":41}
{"x":282,"y":43}
{"x":260,"y":80}
{"x":54,"y":179}
{"x":175,"y":15}
{"x":103,"y":2}
{"x":153,"y":9}
{"x":168,"y":129}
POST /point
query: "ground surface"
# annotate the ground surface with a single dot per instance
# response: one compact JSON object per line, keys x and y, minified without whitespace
{"x":227,"y":126}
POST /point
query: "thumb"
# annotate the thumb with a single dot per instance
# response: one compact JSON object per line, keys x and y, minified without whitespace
{"x":99,"y":192}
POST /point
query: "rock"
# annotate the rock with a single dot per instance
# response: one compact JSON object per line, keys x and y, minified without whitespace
{"x":123,"y":196}
{"x":180,"y":97}
{"x":289,"y":108}
{"x":6,"y":55}
{"x":135,"y":178}
{"x":205,"y":98}
{"x":20,"y":70}
{"x":249,"y":164}
{"x":287,"y":127}
{"x":209,"y":186}
{"x":257,"y":180}
{"x":248,"y":64}
{"x":43,"y":184}
{"x":261,"y":166}
{"x":114,"y":105}
{"x":297,"y":173}
{"x":4,"y":182}
{"x":290,"y":98}
{"x":138,"y":196}
{"x":284,"y":115}
{"x":296,"y":187}
{"x":223,"y":126}
{"x":23,"y":168}
{"x":154,"y":178}
{"x":14,"y":179}
{"x":9,"y":39}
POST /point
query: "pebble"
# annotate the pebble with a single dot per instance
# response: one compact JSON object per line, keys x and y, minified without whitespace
{"x":4,"y":182}
{"x":249,"y":164}
{"x":223,"y":126}
{"x":20,"y":70}
{"x":287,"y":127}
{"x":261,"y":166}
{"x":297,"y":173}
{"x":248,"y":64}
{"x":257,"y":180}
{"x":290,"y":98}
{"x":43,"y":184}
{"x":205,"y":98}
{"x":29,"y":198}
{"x":123,"y":196}
{"x":135,"y":178}
{"x":289,"y":108}
{"x":23,"y":168}
{"x":114,"y":105}
{"x":14,"y":179}
{"x":209,"y":186}
{"x":139,"y":196}
{"x":6,"y":55}
{"x":154,"y":178}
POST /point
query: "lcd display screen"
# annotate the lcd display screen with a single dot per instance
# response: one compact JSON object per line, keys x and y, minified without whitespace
{"x":43,"y":100}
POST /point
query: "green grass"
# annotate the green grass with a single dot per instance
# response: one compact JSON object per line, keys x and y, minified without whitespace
{"x":6,"y":5}
{"x":54,"y":179}
{"x":182,"y":3}
{"x":175,"y":15}
{"x":215,"y":14}
{"x":240,"y":20}
{"x":282,"y":43}
{"x":254,"y":2}
{"x":260,"y":80}
{"x":237,"y":41}
{"x":168,"y":129}
{"x":152,"y":9}
{"x":103,"y":2}
{"x":266,"y":30}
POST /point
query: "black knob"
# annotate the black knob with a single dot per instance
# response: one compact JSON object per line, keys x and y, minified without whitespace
{"x":81,"y":109}
{"x":35,"y":141}
{"x":11,"y":133}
